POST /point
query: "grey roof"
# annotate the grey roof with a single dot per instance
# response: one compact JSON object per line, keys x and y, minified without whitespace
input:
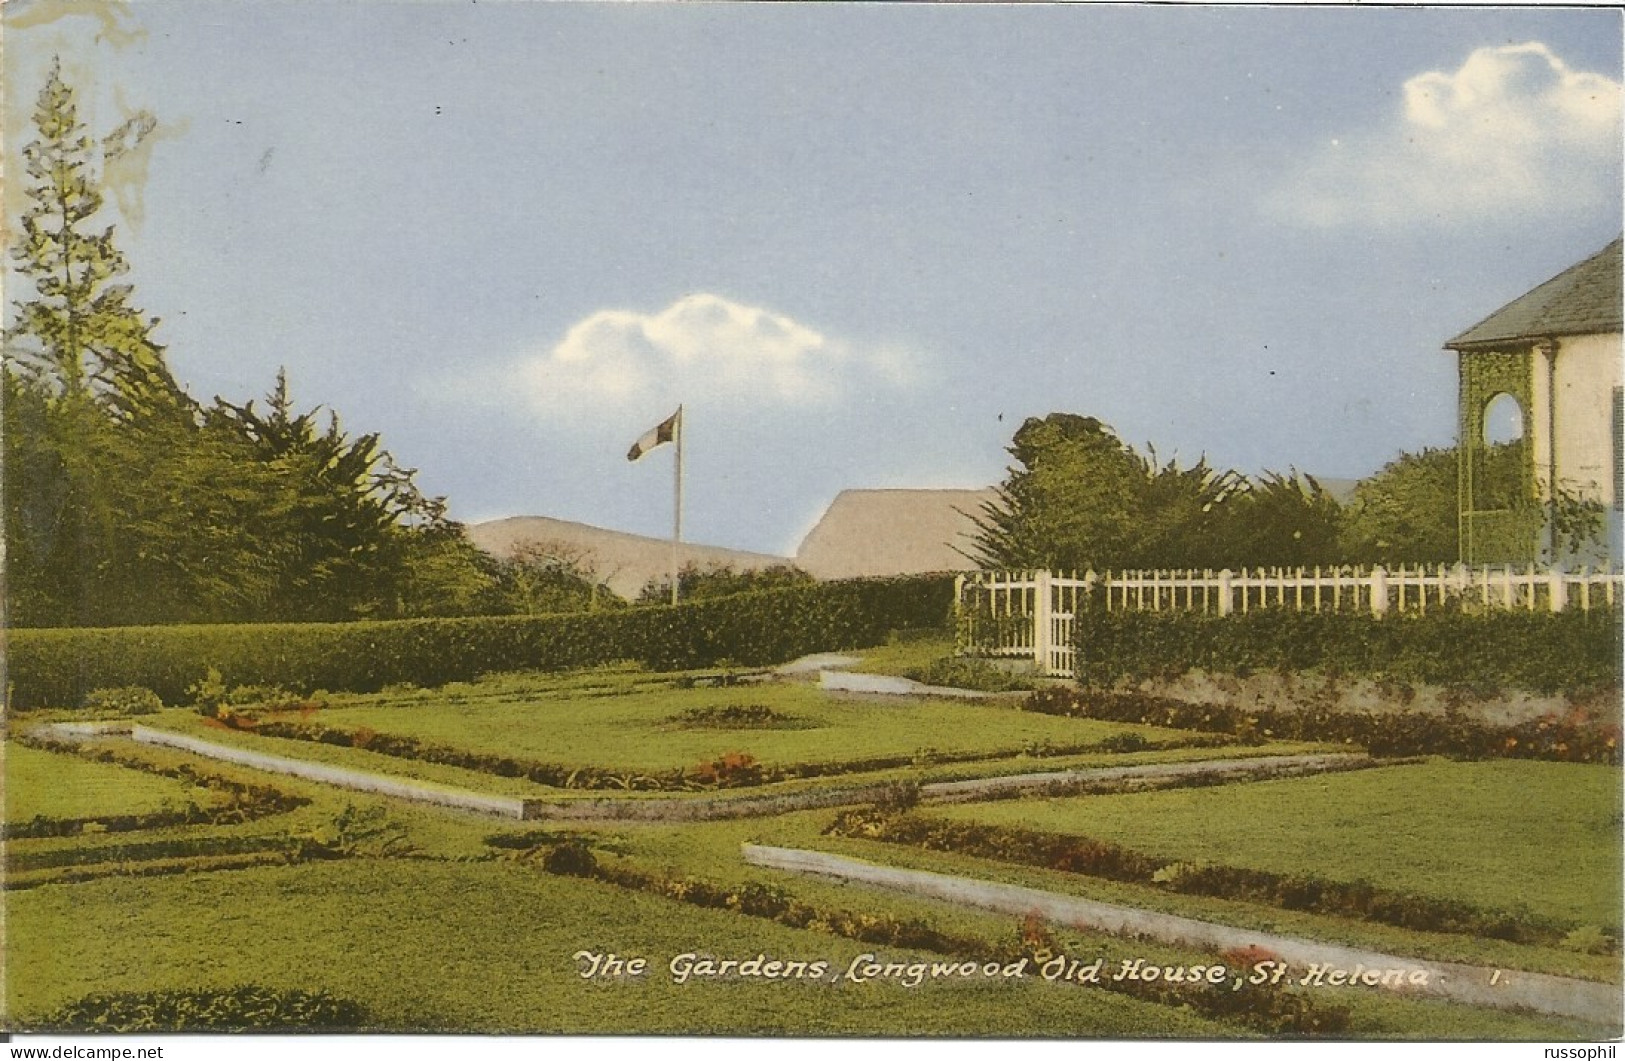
{"x":1582,"y":300}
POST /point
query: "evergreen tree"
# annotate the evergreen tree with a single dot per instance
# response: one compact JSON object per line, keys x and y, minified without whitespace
{"x":79,"y":360}
{"x":126,"y":502}
{"x":80,"y":333}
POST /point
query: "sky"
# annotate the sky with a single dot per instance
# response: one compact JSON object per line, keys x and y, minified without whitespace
{"x":858,"y":244}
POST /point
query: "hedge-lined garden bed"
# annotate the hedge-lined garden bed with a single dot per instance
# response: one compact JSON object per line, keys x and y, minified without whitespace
{"x":240,"y":802}
{"x":59,"y":667}
{"x":1573,"y":738}
{"x":730,"y":770}
{"x":1269,"y":1010}
{"x":1535,"y":651}
{"x":1093,"y":857}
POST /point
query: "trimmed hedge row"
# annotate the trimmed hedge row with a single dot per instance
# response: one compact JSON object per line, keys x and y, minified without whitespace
{"x":1102,"y":858}
{"x":58,"y":667}
{"x":1573,"y":738}
{"x":1538,"y":651}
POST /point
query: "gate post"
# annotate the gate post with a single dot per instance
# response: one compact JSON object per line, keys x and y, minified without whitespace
{"x":1041,"y":619}
{"x":1225,"y":591}
{"x":961,"y":634}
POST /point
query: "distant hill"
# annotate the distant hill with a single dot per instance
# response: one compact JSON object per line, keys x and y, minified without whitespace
{"x":892,"y":532}
{"x":624,"y":562}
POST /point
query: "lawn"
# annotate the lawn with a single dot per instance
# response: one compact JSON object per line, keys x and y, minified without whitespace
{"x":488,"y":947}
{"x":61,"y":786}
{"x":642,"y":729}
{"x":711,"y":849}
{"x":1505,"y":834}
{"x":429,"y":943}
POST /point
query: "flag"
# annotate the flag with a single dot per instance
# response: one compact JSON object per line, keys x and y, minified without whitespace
{"x":658,"y":435}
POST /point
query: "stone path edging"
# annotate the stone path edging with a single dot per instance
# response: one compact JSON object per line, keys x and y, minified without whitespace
{"x":836,"y":681}
{"x":705,"y":808}
{"x":1560,"y":996}
{"x":358,"y":780}
{"x":1105,"y":776}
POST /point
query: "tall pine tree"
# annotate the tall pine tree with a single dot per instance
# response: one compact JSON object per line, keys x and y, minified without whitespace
{"x":80,"y":333}
{"x":128,"y":502}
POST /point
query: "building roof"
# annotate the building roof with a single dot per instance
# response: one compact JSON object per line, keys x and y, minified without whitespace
{"x":623,"y":562}
{"x":893,"y":532}
{"x":1582,"y":300}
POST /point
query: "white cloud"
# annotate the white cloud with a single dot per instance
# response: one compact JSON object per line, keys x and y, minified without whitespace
{"x":703,"y":348}
{"x":1515,"y":132}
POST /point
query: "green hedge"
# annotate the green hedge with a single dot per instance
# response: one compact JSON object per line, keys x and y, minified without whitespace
{"x":58,"y":667}
{"x":1574,"y":737}
{"x":1536,"y":651}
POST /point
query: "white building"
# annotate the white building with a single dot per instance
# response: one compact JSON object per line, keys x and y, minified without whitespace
{"x":1540,"y":403}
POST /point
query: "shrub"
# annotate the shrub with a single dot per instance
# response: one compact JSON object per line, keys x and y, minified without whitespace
{"x":733,"y":716}
{"x":123,"y":700}
{"x":731,"y":770}
{"x":1127,"y":741}
{"x":202,"y":664}
{"x":208,"y":693}
{"x":248,"y":1007}
{"x":960,"y":672}
{"x":1589,"y":939}
{"x":355,"y":832}
{"x":571,"y":858}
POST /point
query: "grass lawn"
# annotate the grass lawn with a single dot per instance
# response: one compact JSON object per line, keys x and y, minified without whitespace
{"x":471,"y":780}
{"x":711,"y":849}
{"x":489,"y":947}
{"x":57,"y":785}
{"x":639,"y":730}
{"x":476,"y":946}
{"x":900,"y":656}
{"x":1504,"y":834}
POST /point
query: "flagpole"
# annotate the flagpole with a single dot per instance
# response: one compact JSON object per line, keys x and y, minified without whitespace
{"x":677,"y":523}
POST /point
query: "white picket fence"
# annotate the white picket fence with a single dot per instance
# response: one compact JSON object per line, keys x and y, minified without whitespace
{"x":1029,"y":614}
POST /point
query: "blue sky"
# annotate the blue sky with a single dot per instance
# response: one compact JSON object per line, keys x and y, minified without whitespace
{"x":860,"y":244}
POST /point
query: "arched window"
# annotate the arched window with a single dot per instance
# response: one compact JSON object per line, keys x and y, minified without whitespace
{"x":1503,"y":420}
{"x":1501,"y":478}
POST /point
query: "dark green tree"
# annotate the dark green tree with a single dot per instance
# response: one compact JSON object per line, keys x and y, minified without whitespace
{"x":128,"y":502}
{"x":80,"y":364}
{"x":1281,"y":521}
{"x":1079,"y":498}
{"x":338,"y":514}
{"x":1069,"y":501}
{"x":1405,"y":513}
